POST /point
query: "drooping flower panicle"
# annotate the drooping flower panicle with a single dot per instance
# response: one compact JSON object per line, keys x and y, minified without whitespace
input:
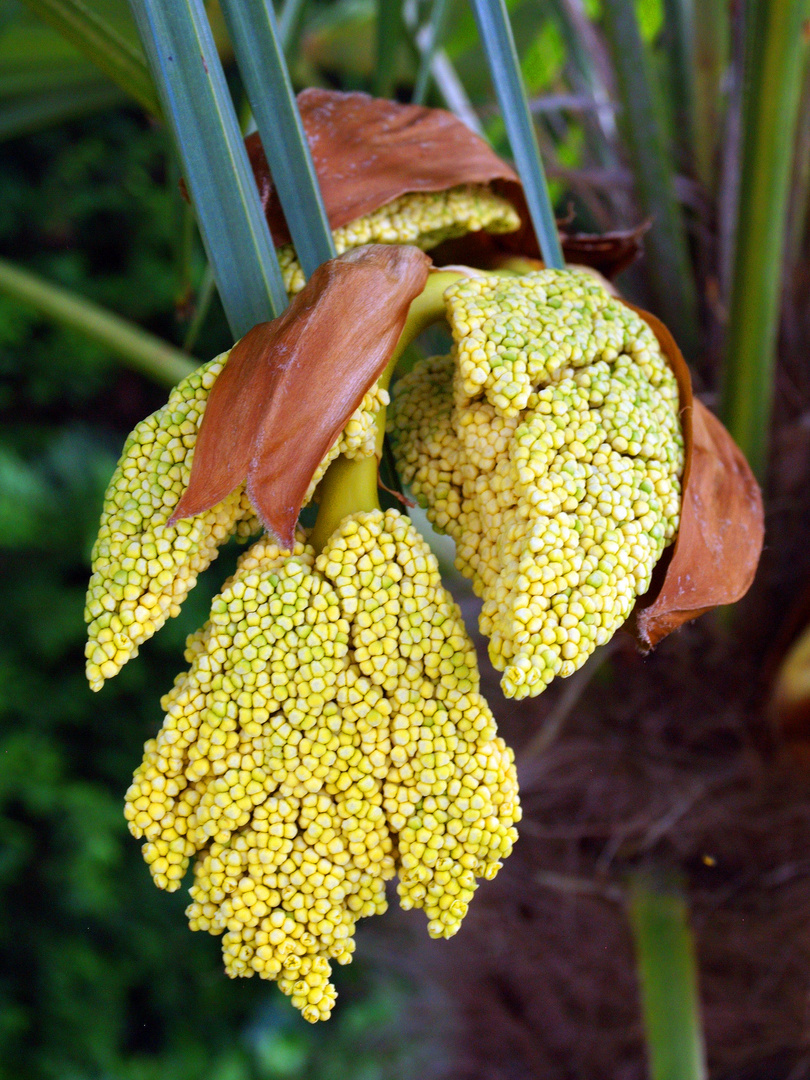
{"x":549,"y":446}
{"x":328,"y":734}
{"x":152,"y":544}
{"x":143,"y":567}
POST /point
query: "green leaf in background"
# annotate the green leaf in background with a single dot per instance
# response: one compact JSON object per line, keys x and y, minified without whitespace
{"x":390,"y":39}
{"x":342,"y":38}
{"x":679,"y":33}
{"x":111,"y":46}
{"x":775,"y":50}
{"x":24,"y":499}
{"x":670,"y":269}
{"x":136,"y":347}
{"x":712,"y":33}
{"x":184,"y":62}
{"x":261,"y":62}
{"x":650,"y":15}
{"x":35,"y":58}
{"x":437,"y":29}
{"x":591,"y":74}
{"x":799,"y":202}
{"x":31,"y":112}
{"x":289,"y":22}
{"x":544,"y":58}
{"x":495,"y":31}
{"x":463,"y":36}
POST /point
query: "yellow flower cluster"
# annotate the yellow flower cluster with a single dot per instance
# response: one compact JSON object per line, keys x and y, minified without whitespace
{"x":142,"y":568}
{"x":422,"y":218}
{"x":328,"y":734}
{"x":549,"y":446}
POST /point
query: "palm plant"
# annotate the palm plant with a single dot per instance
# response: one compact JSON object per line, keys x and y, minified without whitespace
{"x":715,"y":253}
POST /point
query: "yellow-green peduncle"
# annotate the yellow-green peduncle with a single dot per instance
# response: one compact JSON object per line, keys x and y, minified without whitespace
{"x":350,"y":486}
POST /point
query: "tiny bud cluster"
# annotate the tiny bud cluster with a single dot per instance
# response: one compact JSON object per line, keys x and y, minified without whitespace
{"x":424,"y":219}
{"x":143,"y":568}
{"x":328,"y":734}
{"x":549,"y":446}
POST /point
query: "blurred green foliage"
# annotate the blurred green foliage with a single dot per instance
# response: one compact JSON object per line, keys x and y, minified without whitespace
{"x":101,"y":977}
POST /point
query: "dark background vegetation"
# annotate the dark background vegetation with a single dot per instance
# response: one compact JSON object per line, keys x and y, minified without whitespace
{"x":100,"y":975}
{"x":670,"y":761}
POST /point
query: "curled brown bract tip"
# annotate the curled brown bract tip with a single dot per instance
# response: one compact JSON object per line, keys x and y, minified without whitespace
{"x":606,"y":253}
{"x":716,"y":552}
{"x":368,"y":151}
{"x":289,"y":386}
{"x":609,"y":252}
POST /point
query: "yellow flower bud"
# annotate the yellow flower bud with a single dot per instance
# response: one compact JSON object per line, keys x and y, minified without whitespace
{"x":379,"y":757}
{"x":549,"y":446}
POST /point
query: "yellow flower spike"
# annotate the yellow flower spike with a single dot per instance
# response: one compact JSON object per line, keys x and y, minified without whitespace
{"x":514,"y":334}
{"x":549,"y":446}
{"x":143,"y":568}
{"x":328,"y":734}
{"x":424,"y":219}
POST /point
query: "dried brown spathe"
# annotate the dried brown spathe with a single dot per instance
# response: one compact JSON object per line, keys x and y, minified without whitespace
{"x":719,"y":541}
{"x":368,"y":151}
{"x":290,"y":385}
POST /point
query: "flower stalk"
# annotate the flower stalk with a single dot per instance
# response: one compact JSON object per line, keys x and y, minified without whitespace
{"x":350,"y":486}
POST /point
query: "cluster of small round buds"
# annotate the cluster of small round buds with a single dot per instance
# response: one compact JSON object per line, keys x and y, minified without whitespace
{"x":424,"y":219}
{"x":358,"y":438}
{"x":427,"y":449}
{"x":328,"y":733}
{"x":143,"y":568}
{"x":560,"y":509}
{"x":452,"y":798}
{"x":514,"y":334}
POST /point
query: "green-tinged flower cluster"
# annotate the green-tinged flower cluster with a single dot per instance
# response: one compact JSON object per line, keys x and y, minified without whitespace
{"x":328,"y":734}
{"x":422,"y":218}
{"x":549,"y":446}
{"x":144,"y":568}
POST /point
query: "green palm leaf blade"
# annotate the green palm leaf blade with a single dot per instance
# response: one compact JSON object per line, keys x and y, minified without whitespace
{"x":256,"y":42}
{"x":183,"y":58}
{"x":107,"y":44}
{"x":496,"y":36}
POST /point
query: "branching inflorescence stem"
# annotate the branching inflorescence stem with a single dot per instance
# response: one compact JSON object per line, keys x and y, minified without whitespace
{"x":350,"y":485}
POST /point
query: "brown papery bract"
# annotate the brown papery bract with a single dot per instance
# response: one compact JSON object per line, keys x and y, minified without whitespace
{"x":289,"y":386}
{"x":607,"y":253}
{"x":368,"y":151}
{"x":716,"y":552}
